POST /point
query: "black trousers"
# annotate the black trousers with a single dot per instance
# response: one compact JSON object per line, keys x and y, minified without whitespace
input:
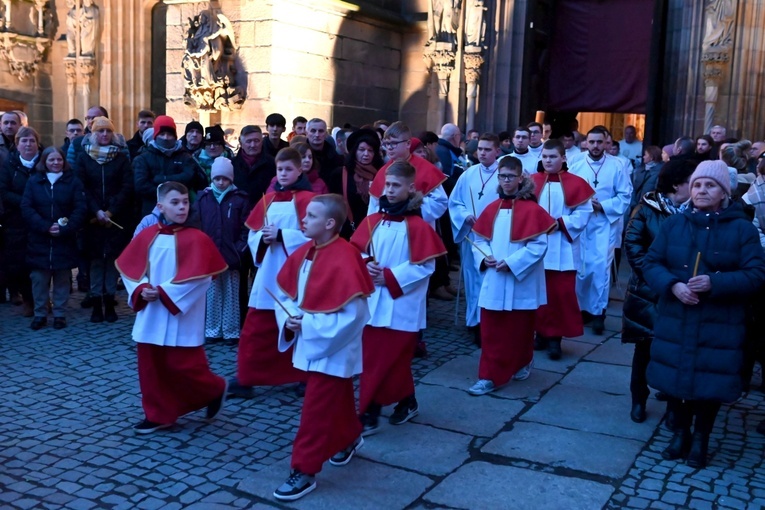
{"x":704,"y":412}
{"x":638,"y":382}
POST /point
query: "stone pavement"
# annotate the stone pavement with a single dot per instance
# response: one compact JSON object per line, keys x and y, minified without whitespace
{"x":561,"y":439}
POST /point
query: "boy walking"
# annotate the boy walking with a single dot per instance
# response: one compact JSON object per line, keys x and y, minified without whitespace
{"x":167,"y":269}
{"x":324,"y":286}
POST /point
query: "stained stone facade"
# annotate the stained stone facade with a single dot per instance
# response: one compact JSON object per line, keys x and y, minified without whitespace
{"x":357,"y":61}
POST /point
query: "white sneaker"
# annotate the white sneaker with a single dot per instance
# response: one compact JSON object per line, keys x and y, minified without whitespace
{"x":524,"y":372}
{"x":482,"y":387}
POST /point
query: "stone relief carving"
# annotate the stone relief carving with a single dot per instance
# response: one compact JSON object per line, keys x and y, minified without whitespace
{"x":443,"y":21}
{"x":81,"y":28}
{"x":210,"y":64}
{"x":719,"y":26}
{"x":475,"y":25}
{"x":23,"y":43}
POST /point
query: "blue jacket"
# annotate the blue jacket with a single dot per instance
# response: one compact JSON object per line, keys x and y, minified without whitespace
{"x":44,"y":204}
{"x":698,"y":351}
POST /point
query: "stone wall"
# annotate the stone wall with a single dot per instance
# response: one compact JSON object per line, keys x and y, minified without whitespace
{"x":315,"y":59}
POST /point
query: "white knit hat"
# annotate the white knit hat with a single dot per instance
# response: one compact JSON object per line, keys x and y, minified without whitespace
{"x":715,"y":170}
{"x":222,"y":167}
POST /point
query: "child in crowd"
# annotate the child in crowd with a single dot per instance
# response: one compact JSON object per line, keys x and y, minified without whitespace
{"x":167,"y":269}
{"x":223,"y":209}
{"x":510,"y":246}
{"x":275,"y":233}
{"x":54,"y":209}
{"x":309,"y":166}
{"x":323,"y":288}
{"x":402,"y":250}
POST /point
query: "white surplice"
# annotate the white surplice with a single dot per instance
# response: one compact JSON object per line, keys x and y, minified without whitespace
{"x":434,"y":205}
{"x":613,"y":189}
{"x":529,"y":161}
{"x":283,"y":215}
{"x":471,"y":183}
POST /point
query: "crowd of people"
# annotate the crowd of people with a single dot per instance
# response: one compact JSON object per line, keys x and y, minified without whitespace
{"x":316,"y":256}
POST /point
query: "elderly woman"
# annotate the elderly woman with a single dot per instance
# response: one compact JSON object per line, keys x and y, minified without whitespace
{"x":53,"y":207}
{"x":672,"y":192}
{"x":107,"y":177}
{"x":705,"y":265}
{"x":13,"y":180}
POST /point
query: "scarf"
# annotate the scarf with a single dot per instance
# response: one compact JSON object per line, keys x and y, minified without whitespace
{"x":249,"y":160}
{"x":218,"y":194}
{"x":167,"y":152}
{"x":506,"y":197}
{"x":363,"y":175}
{"x":397,"y":209}
{"x":302,"y":184}
{"x":53,"y":176}
{"x":101,"y":154}
{"x":670,"y":205}
{"x":28,"y":163}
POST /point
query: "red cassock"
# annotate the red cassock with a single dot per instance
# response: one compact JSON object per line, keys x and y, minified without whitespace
{"x":328,"y":420}
{"x":507,"y":337}
{"x":174,"y":380}
{"x":388,"y":352}
{"x":427,"y":177}
{"x":561,"y":315}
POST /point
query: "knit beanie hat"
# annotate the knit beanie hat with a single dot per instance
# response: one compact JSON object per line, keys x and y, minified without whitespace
{"x":100,"y":123}
{"x":148,"y":135}
{"x":222,"y":167}
{"x":715,"y":170}
{"x":194,"y":125}
{"x":215,"y":134}
{"x":414,"y":142}
{"x":165,"y":124}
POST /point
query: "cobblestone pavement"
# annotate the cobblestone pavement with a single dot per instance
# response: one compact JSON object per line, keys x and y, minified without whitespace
{"x":70,"y":398}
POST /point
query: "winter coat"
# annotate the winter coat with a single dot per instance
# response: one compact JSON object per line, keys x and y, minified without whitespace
{"x":43,"y":205}
{"x":639,"y":312}
{"x":224,"y":223}
{"x":153,"y":167}
{"x":13,"y":181}
{"x":75,"y":148}
{"x":697,"y":352}
{"x":328,"y":159}
{"x":643,"y":181}
{"x":254,"y":180}
{"x":108,"y":188}
{"x":135,"y":145}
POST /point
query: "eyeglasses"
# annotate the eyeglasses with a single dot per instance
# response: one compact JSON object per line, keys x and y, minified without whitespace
{"x":391,"y":144}
{"x":507,"y":177}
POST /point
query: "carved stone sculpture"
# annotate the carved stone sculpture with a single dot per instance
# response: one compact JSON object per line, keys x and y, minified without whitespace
{"x":475,"y":25}
{"x":81,"y":28}
{"x":719,"y":17}
{"x":209,"y":64}
{"x":443,"y":21}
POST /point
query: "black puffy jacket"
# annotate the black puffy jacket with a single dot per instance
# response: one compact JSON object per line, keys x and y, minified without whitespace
{"x":153,"y":167}
{"x":13,"y":181}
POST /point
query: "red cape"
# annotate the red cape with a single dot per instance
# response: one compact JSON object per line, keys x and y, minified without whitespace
{"x":427,"y":177}
{"x":529,"y":220}
{"x":426,"y":247}
{"x":337,"y":275}
{"x":200,"y":258}
{"x":576,"y":190}
{"x":256,"y":220}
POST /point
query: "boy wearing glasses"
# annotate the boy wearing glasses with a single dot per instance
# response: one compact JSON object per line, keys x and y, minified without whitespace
{"x":509,"y":248}
{"x":567,"y":198}
{"x":428,"y":179}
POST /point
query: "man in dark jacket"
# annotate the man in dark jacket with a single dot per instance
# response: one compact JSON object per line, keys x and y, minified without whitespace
{"x":74,"y":129}
{"x":323,"y":151}
{"x":276,"y":124}
{"x":449,"y":152}
{"x":253,"y":167}
{"x":10,"y":123}
{"x":144,"y":122}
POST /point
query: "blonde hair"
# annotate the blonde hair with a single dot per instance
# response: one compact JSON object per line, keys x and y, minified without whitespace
{"x":335,"y":207}
{"x":736,"y":155}
{"x":396,"y":130}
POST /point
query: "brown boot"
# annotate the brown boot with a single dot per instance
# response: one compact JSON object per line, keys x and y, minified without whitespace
{"x":28,"y":309}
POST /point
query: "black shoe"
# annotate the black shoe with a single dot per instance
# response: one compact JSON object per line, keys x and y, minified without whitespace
{"x":343,"y":457}
{"x":540,"y":342}
{"x":678,"y":445}
{"x":554,"y":351}
{"x":97,"y":315}
{"x":598,"y":324}
{"x":237,"y":390}
{"x":59,"y":323}
{"x":476,"y":331}
{"x":697,"y":456}
{"x":370,"y":420}
{"x":421,"y":351}
{"x":147,"y":427}
{"x":216,"y":406}
{"x":638,"y":413}
{"x":87,"y":302}
{"x":39,"y":322}
{"x":300,"y":390}
{"x":661,"y":396}
{"x":110,"y":315}
{"x":297,"y":485}
{"x":404,"y":411}
{"x":669,"y":421}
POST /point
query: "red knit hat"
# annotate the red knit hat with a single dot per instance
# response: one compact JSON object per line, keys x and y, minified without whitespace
{"x":164,"y":123}
{"x":414,"y":142}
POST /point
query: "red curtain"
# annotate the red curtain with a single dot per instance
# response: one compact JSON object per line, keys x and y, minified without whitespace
{"x":600,"y":55}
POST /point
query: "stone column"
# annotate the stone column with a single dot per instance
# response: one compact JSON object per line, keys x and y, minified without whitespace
{"x":70,"y":67}
{"x":473,"y":62}
{"x":442,"y":60}
{"x":86,"y":68}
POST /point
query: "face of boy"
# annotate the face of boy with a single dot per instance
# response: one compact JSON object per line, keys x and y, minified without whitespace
{"x":175,"y":207}
{"x":222,"y":183}
{"x":487,"y":153}
{"x":552,"y":161}
{"x":397,"y":189}
{"x":275,"y":132}
{"x":299,"y":128}
{"x":509,"y":180}
{"x":316,"y":224}
{"x":397,"y":147}
{"x":287,"y":173}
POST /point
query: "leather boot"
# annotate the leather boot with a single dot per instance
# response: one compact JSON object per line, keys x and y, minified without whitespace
{"x":540,"y":342}
{"x":97,"y":315}
{"x":678,"y":445}
{"x":697,"y":456}
{"x":553,"y":348}
{"x":638,"y":412}
{"x":109,"y":314}
{"x":598,"y":324}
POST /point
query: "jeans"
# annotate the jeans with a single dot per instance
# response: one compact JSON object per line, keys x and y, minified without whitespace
{"x":103,"y":277}
{"x":41,"y":279}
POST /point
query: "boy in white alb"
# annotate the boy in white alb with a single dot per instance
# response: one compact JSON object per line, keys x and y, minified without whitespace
{"x":275,"y":233}
{"x":510,"y":248}
{"x":401,"y":249}
{"x":167,"y":269}
{"x":323,"y":290}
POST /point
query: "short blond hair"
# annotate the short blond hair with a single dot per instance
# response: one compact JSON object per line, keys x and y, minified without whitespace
{"x":396,"y":130}
{"x":335,"y":207}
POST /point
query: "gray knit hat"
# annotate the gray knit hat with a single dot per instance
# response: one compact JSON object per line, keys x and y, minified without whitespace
{"x":715,"y":170}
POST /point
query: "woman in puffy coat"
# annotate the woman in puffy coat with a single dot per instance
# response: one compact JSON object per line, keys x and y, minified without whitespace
{"x":639,"y":312}
{"x":54,"y":209}
{"x":107,"y":177}
{"x":705,"y":265}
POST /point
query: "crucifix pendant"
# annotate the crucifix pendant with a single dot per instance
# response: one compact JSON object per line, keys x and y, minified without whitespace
{"x":480,"y":194}
{"x":596,"y":182}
